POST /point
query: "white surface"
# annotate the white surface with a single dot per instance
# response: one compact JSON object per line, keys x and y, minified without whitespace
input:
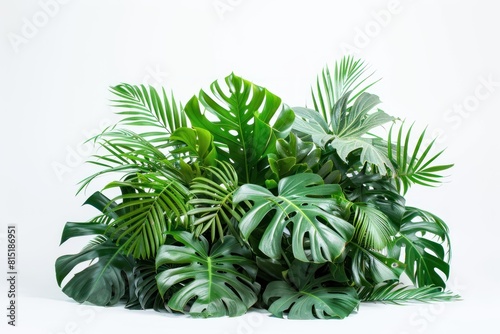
{"x":434,"y":58}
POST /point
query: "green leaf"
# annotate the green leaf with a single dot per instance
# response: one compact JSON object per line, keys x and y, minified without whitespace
{"x":212,"y":203}
{"x":197,"y":142}
{"x":303,"y":296}
{"x":306,"y":207}
{"x":370,"y":267}
{"x":396,"y":293}
{"x":415,"y":167}
{"x":423,"y":235}
{"x":309,"y":125}
{"x":144,"y":106}
{"x":128,"y":153}
{"x":379,"y":192}
{"x":103,"y":282}
{"x":369,"y":152}
{"x":211,"y":283}
{"x":153,"y":204}
{"x":146,"y":289}
{"x":347,"y":128}
{"x":293,"y":156}
{"x":373,"y":229}
{"x":81,"y":229}
{"x":245,"y":120}
{"x":349,"y":75}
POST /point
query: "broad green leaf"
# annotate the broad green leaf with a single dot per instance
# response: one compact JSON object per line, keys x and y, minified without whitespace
{"x":379,"y":192}
{"x":309,"y":125}
{"x":145,"y":288}
{"x":369,"y":152}
{"x":197,"y":142}
{"x":103,"y":282}
{"x":423,"y":235}
{"x":210,"y":282}
{"x":303,"y":296}
{"x":245,"y":120}
{"x":79,"y":229}
{"x":304,"y":206}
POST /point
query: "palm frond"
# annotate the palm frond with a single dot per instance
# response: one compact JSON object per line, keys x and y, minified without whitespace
{"x":97,"y":240}
{"x":414,"y":167}
{"x":213,"y":207}
{"x":150,"y":205}
{"x":349,"y":75}
{"x":145,"y":106}
{"x":397,"y":293}
{"x":127,"y":152}
{"x":373,"y":229}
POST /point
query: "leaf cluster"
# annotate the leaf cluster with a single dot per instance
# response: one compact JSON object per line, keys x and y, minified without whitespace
{"x":237,"y":200}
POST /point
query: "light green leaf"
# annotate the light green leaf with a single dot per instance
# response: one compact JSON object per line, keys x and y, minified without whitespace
{"x":245,"y":120}
{"x":396,"y":293}
{"x":349,"y":75}
{"x":416,"y":167}
{"x":144,"y":106}
{"x":369,"y":152}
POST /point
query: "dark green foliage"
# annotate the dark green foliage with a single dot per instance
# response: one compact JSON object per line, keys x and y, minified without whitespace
{"x":238,"y":201}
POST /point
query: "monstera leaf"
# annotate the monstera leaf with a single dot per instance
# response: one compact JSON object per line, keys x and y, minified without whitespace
{"x":378,"y":191}
{"x":303,"y":296}
{"x":145,"y":288}
{"x":424,"y":257}
{"x":245,"y":120}
{"x":103,"y":282}
{"x":306,"y":207}
{"x":209,"y":282}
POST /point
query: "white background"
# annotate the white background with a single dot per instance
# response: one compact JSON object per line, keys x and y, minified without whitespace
{"x":57,"y":62}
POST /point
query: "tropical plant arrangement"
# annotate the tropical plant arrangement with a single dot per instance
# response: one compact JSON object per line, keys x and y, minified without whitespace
{"x":236,"y":200}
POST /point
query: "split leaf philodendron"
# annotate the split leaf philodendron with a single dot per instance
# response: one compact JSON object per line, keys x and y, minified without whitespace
{"x":237,"y":200}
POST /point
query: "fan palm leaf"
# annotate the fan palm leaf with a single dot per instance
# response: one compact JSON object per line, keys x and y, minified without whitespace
{"x":414,"y":167}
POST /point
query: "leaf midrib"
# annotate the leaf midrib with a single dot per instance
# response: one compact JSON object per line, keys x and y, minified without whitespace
{"x":241,"y":136}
